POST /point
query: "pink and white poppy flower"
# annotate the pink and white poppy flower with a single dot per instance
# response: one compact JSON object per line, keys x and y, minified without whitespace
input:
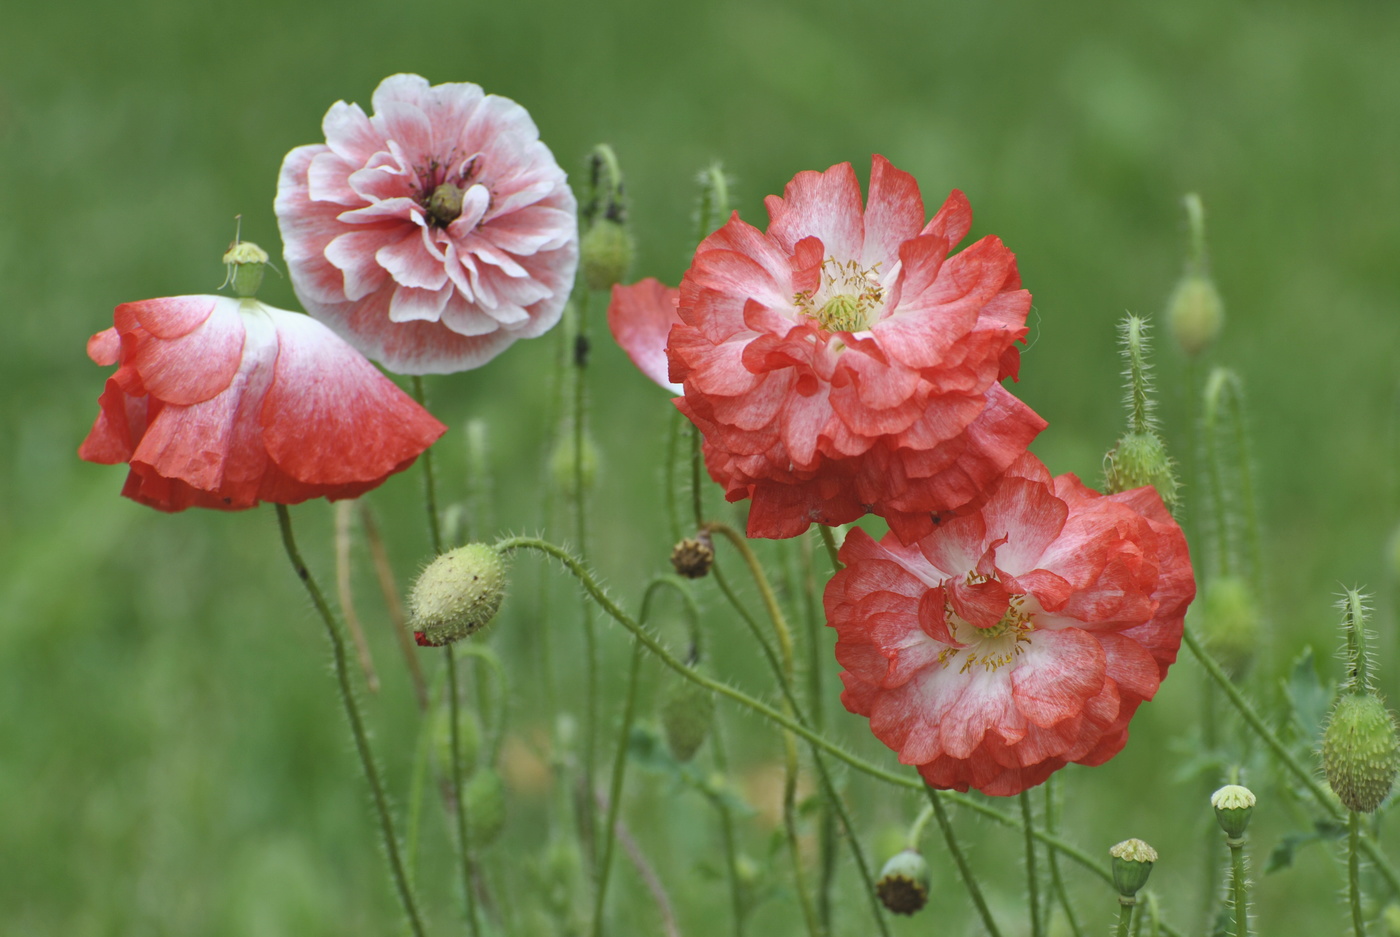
{"x":222,"y":403}
{"x":432,"y":234}
{"x":1018,"y":638}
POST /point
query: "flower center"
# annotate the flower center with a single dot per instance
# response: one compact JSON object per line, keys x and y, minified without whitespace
{"x":990,"y":648}
{"x":848,"y":300}
{"x":445,"y":204}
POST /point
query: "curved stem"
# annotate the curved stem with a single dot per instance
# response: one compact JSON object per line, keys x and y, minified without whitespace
{"x":357,"y":725}
{"x":974,"y":891}
{"x":916,"y":831}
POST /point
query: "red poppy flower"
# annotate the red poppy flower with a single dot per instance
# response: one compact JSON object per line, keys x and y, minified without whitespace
{"x":640,"y":317}
{"x":223,"y":403}
{"x":842,"y":362}
{"x":1017,"y":638}
{"x":432,"y":234}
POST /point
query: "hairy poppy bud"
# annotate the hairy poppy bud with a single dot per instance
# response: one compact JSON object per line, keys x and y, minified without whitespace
{"x":458,"y":594}
{"x":1233,"y":806}
{"x":687,"y":713}
{"x":903,"y":885}
{"x":1360,"y":751}
{"x":1140,"y":459}
{"x":484,"y":797}
{"x":605,"y":254}
{"x":694,"y":556}
{"x":1132,"y":864}
{"x":1195,"y":313}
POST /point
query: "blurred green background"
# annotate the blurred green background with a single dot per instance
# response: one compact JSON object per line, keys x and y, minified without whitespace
{"x":172,"y":757}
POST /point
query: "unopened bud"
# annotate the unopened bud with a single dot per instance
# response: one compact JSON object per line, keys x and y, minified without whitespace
{"x":1140,"y":459}
{"x":1132,"y":864}
{"x":1195,"y":313}
{"x":1360,"y":751}
{"x":1233,"y":806}
{"x":903,"y":885}
{"x":567,"y":469}
{"x":1229,"y":616}
{"x":458,"y":594}
{"x":687,"y":714}
{"x":605,"y":254}
{"x":484,"y":797}
{"x":694,"y":556}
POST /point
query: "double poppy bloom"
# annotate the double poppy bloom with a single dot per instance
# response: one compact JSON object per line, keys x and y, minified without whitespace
{"x":1017,"y":638}
{"x":843,"y":363}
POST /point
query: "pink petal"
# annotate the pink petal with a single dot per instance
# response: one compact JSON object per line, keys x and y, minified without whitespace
{"x":640,"y":317}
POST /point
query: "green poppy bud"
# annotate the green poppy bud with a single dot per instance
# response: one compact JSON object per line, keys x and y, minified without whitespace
{"x":484,"y":797}
{"x":458,"y":594}
{"x":563,"y":465}
{"x":1195,"y":313}
{"x":1233,"y":806}
{"x":1141,"y":459}
{"x":605,"y":254}
{"x":1360,"y":751}
{"x":903,"y":885}
{"x":687,"y":713}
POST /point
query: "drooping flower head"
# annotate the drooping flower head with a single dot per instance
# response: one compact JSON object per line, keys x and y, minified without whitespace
{"x":222,"y":403}
{"x":432,"y":234}
{"x":842,"y":362}
{"x":1017,"y":638}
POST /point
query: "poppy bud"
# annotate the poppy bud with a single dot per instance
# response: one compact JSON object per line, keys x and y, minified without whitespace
{"x":1195,"y":313}
{"x":694,"y":556}
{"x":1360,"y":751}
{"x":903,"y":885}
{"x":1132,"y":864}
{"x":687,"y":713}
{"x":605,"y":254}
{"x":484,"y":798}
{"x":1230,"y":622}
{"x":564,"y":467}
{"x":1233,"y":806}
{"x":458,"y":594}
{"x":1140,"y":458}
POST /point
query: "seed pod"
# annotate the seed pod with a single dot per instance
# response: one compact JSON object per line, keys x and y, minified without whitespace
{"x":694,"y":556}
{"x":903,"y":885}
{"x":1360,"y":751}
{"x":1132,"y":864}
{"x":1233,"y":807}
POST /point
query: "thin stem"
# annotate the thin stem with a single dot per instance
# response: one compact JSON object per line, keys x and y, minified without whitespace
{"x":673,"y":447}
{"x":619,"y":770}
{"x":916,"y":831}
{"x":1301,"y":773}
{"x":1125,"y":914}
{"x":765,"y":591}
{"x":1239,"y":886}
{"x":829,"y":540}
{"x":1032,"y":878}
{"x":974,"y":891}
{"x":726,"y":829}
{"x":345,"y":594}
{"x":384,"y":574}
{"x":357,"y":726}
{"x":1358,"y":925}
{"x":1052,"y":823}
{"x":646,"y":873}
{"x":816,"y":698}
{"x":696,"y":507}
{"x":429,"y":484}
{"x":464,"y":841}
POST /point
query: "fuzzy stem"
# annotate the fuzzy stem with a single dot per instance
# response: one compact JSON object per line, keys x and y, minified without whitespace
{"x":1139,"y":396}
{"x":1358,"y":924}
{"x":357,"y":725}
{"x":1281,"y":752}
{"x":673,"y":448}
{"x":619,"y":771}
{"x":1354,"y":627}
{"x":1196,"y":226}
{"x":464,"y":842}
{"x":1125,"y":914}
{"x":429,"y":483}
{"x":916,"y":830}
{"x":1239,"y":886}
{"x":726,"y":828}
{"x":384,"y":574}
{"x":1032,"y":879}
{"x":714,"y":200}
{"x":829,"y":540}
{"x":974,"y":891}
{"x":1052,"y":821}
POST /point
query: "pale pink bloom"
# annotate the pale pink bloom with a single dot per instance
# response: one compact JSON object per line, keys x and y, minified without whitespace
{"x":640,"y":317}
{"x":1016,"y":638}
{"x":223,"y":403}
{"x":432,"y":234}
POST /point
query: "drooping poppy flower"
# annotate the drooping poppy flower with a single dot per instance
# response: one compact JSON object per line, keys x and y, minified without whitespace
{"x":842,"y":362}
{"x":640,"y":317}
{"x":222,"y":403}
{"x":1015,"y":639}
{"x":432,"y":234}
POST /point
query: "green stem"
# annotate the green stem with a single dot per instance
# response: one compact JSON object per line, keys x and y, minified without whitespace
{"x":591,"y":587}
{"x":696,"y":507}
{"x":816,"y":699}
{"x":974,"y":891}
{"x":429,"y":484}
{"x":357,"y":725}
{"x":619,"y":771}
{"x":829,"y":541}
{"x":1052,"y":823}
{"x":673,"y":446}
{"x":1125,"y":914}
{"x":464,"y":842}
{"x":1303,"y":775}
{"x":726,"y":828}
{"x":1032,"y":878}
{"x":1239,"y":886}
{"x":1358,"y":925}
{"x":916,"y":831}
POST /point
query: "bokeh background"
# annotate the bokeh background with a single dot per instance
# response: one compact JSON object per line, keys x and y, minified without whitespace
{"x":172,"y":757}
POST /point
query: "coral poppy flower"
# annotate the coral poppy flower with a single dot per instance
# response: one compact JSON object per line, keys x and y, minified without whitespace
{"x":1017,"y":638}
{"x":640,"y":317}
{"x":842,"y":362}
{"x":433,"y":234}
{"x":223,"y":403}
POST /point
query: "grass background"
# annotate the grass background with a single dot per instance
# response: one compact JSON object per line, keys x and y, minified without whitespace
{"x":172,"y":760}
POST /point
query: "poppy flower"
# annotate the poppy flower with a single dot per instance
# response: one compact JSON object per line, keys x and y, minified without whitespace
{"x":222,"y":403}
{"x":432,"y":234}
{"x":640,"y":317}
{"x":1015,"y":639}
{"x":842,"y":362}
